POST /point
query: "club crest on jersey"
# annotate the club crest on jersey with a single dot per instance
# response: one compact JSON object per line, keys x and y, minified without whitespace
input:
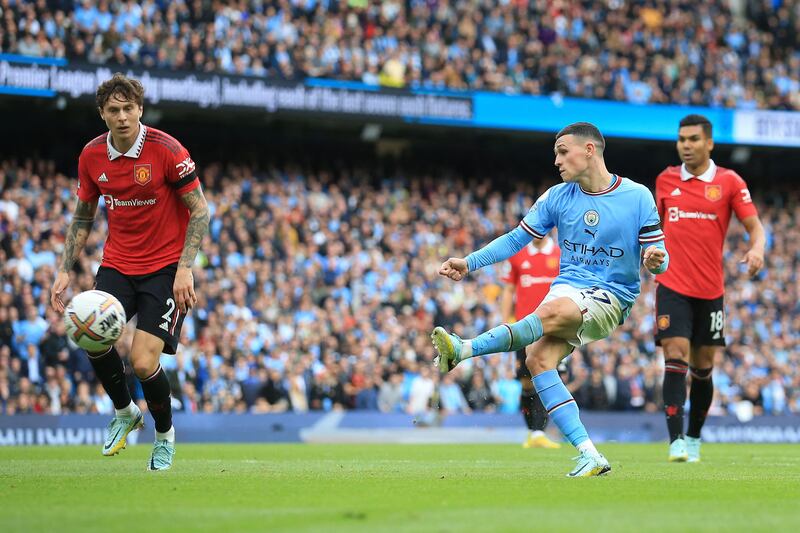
{"x":591,"y":217}
{"x":142,"y":174}
{"x":663,"y":321}
{"x":713,"y":192}
{"x":552,"y":262}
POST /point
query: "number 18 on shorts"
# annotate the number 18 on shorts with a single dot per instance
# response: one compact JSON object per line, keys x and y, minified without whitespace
{"x":701,"y":321}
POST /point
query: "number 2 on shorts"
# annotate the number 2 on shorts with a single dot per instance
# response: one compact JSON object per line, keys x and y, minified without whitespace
{"x":168,"y":315}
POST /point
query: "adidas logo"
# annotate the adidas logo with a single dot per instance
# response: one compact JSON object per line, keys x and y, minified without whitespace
{"x":103,"y":178}
{"x":676,"y":192}
{"x":525,"y":264}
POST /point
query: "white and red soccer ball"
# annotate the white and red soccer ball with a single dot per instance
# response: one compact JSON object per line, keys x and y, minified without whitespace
{"x":94,"y":320}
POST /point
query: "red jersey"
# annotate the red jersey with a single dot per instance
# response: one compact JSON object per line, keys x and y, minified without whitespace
{"x":147,"y":219}
{"x":531,"y":271}
{"x":695,"y":212}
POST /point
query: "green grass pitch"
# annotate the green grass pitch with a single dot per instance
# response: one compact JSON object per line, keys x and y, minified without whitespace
{"x":398,"y":488}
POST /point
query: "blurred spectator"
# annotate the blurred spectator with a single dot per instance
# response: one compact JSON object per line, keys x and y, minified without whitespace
{"x":507,"y":391}
{"x":390,"y":396}
{"x":421,"y":393}
{"x":451,"y":397}
{"x":479,"y":395}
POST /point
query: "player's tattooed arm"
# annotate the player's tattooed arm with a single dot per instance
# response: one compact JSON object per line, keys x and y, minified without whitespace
{"x":198,"y":225}
{"x":78,"y":232}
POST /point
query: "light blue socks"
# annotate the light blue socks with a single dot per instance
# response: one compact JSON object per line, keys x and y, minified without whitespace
{"x":508,"y":337}
{"x":561,"y":406}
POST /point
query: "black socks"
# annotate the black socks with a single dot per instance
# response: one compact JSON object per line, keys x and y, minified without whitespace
{"x":156,"y":393}
{"x":110,"y":370}
{"x":700,"y":395}
{"x":674,"y":396}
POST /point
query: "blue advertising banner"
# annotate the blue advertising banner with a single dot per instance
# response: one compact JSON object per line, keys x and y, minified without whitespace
{"x":375,"y":427}
{"x":50,"y":78}
{"x":615,"y":119}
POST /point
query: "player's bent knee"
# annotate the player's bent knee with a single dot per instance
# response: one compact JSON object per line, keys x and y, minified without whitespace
{"x":675,"y":348}
{"x":549,"y":316}
{"x":530,"y":360}
{"x":144,"y":363}
{"x":144,"y":368}
{"x":538,"y":362}
{"x":531,"y":363}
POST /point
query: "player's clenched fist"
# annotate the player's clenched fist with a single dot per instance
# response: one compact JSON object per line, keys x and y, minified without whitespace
{"x":653,"y":258}
{"x":454,"y":268}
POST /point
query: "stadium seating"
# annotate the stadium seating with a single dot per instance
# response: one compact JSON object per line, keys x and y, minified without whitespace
{"x":659,"y":51}
{"x":317,"y":291}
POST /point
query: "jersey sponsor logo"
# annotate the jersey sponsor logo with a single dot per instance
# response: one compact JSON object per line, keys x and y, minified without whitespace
{"x":591,"y":217}
{"x":675,"y":214}
{"x":526,"y":280}
{"x":113,"y":203}
{"x":185,"y":167}
{"x":102,"y":178}
{"x":587,"y":249}
{"x":663,"y":322}
{"x":589,"y":255}
{"x":676,"y":192}
{"x":142,"y":174}
{"x":713,"y":192}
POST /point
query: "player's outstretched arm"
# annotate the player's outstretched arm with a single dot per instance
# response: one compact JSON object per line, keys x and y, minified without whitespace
{"x":199,"y":217}
{"x":78,"y":232}
{"x":499,"y":249}
{"x":754,"y":258}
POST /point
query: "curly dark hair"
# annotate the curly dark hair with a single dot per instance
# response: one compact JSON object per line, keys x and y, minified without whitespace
{"x":129,"y":88}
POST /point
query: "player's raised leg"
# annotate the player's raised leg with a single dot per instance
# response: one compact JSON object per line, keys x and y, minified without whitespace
{"x":559,"y":317}
{"x":146,"y":351}
{"x":542,"y":359}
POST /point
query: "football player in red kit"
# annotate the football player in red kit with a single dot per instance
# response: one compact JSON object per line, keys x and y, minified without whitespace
{"x":528,"y":276}
{"x":695,"y":202}
{"x":157,"y":218}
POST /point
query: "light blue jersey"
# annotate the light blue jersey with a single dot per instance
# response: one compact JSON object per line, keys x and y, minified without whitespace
{"x":600,"y":234}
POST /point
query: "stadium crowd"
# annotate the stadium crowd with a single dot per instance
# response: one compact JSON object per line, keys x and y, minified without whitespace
{"x":644,"y":51}
{"x":318,"y":290}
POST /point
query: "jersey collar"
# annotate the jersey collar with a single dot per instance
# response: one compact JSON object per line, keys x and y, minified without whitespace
{"x":134,"y":151}
{"x":707,"y":176}
{"x":615,"y":182}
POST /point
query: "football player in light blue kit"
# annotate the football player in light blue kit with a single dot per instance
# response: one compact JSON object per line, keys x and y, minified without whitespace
{"x":607,"y":226}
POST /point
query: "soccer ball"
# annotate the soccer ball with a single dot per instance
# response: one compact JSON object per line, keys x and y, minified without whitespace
{"x":94,"y":320}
